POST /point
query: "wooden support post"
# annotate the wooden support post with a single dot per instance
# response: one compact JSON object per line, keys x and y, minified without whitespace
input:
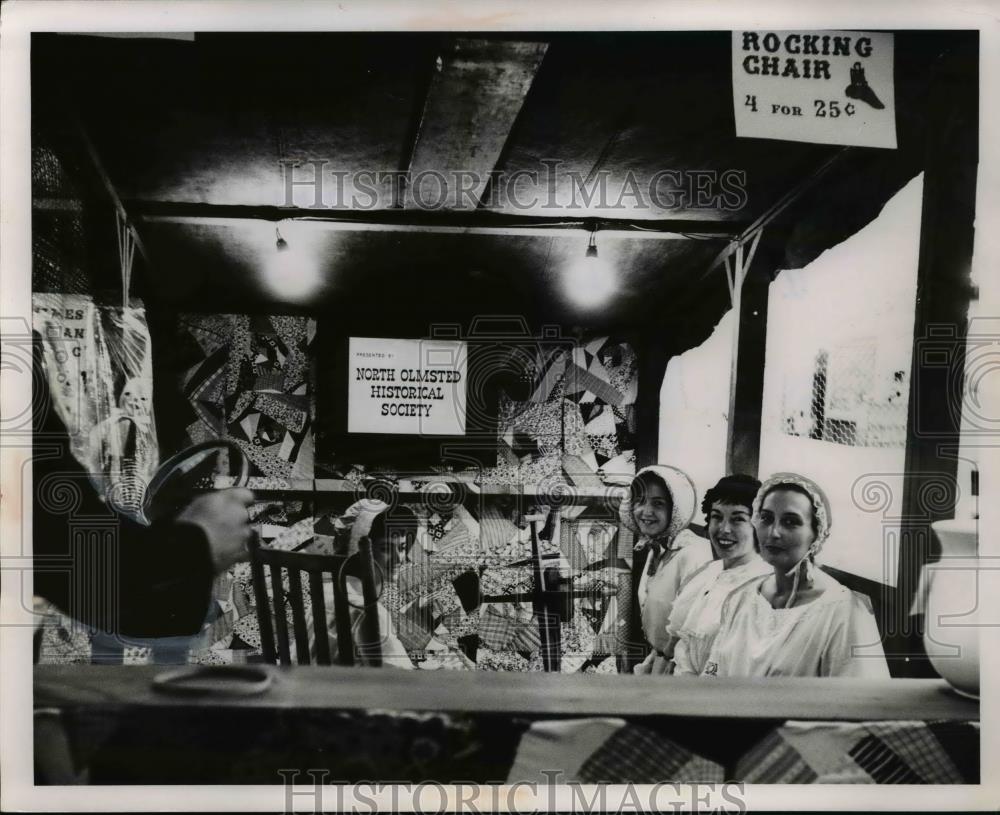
{"x":654,"y":353}
{"x":747,"y":373}
{"x":943,"y":293}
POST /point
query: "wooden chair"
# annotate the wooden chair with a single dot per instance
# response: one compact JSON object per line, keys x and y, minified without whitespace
{"x":318,"y":568}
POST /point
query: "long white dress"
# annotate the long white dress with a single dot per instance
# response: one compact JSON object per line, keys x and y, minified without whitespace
{"x":686,"y":555}
{"x":834,"y":635}
{"x":697,"y":610}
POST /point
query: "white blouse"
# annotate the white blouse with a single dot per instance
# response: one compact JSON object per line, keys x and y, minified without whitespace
{"x":392,"y":650}
{"x":697,"y":610}
{"x":688,"y":552}
{"x":835,"y":635}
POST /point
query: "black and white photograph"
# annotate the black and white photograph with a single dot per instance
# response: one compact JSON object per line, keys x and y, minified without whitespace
{"x":484,"y":408}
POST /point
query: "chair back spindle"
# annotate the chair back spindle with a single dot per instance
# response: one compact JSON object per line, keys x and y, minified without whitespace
{"x":277,"y":583}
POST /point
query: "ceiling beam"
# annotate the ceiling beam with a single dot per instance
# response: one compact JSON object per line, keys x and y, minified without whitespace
{"x":439,"y":221}
{"x":425,"y":80}
{"x":56,"y":204}
{"x":486,"y":193}
{"x":752,"y":232}
{"x":624,"y":119}
{"x":475,"y":95}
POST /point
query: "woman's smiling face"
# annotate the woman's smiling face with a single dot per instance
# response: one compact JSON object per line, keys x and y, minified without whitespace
{"x":784,"y":527}
{"x":652,"y":508}
{"x":731,"y":533}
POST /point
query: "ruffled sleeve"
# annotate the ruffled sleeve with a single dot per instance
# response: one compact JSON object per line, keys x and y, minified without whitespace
{"x":695,"y":576}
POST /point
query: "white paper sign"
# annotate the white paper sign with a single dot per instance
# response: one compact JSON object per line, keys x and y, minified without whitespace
{"x":406,"y":386}
{"x":827,"y":87}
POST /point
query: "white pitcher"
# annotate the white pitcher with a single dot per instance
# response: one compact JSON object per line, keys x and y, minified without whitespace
{"x":953,"y":595}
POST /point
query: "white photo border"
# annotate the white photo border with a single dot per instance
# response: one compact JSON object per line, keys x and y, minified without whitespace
{"x":18,"y":18}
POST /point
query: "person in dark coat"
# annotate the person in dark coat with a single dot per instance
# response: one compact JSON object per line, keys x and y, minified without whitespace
{"x":107,"y":570}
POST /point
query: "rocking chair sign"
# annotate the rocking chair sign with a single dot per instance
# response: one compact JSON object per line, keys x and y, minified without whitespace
{"x":827,"y":87}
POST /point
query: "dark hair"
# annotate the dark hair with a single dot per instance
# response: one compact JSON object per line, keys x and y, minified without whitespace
{"x":641,"y":484}
{"x":397,"y":519}
{"x":738,"y":489}
{"x":789,"y":487}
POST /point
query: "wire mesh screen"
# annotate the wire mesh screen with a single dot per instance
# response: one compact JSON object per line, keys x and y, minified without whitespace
{"x":850,"y":396}
{"x":837,"y":382}
{"x":59,"y":252}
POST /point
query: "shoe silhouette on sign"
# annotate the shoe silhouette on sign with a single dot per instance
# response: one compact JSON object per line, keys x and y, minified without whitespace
{"x":860,"y":89}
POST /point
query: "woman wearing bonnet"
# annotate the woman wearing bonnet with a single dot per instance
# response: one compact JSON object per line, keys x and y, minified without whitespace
{"x":797,"y":620}
{"x":660,"y":505}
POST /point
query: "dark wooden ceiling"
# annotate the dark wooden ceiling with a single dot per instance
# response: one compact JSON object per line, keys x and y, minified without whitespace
{"x":192,"y":135}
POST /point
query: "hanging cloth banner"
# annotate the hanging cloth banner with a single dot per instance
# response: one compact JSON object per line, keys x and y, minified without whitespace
{"x":826,"y":87}
{"x":99,"y":373}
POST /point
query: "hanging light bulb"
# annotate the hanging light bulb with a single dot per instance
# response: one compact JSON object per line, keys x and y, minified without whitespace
{"x":291,"y":272}
{"x":590,"y":281}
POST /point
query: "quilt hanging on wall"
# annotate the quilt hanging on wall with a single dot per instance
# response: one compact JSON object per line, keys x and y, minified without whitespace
{"x":251,"y":382}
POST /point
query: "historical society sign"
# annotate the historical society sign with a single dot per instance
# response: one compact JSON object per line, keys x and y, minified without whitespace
{"x":406,"y":386}
{"x":828,"y":87}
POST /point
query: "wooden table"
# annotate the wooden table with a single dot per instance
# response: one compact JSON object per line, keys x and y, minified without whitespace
{"x":345,"y":719}
{"x":531,"y":694}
